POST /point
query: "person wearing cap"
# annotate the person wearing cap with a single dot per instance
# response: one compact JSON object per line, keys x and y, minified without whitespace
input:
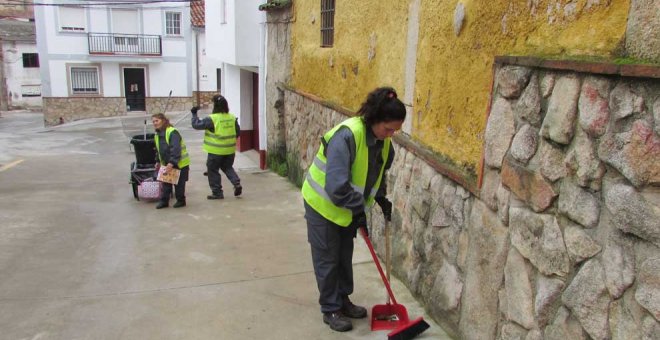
{"x":344,"y":180}
{"x":221,"y":130}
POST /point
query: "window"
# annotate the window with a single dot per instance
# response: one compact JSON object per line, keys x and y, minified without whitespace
{"x":72,"y":19}
{"x":327,"y":22}
{"x":30,"y":60}
{"x":173,"y":23}
{"x":84,"y":80}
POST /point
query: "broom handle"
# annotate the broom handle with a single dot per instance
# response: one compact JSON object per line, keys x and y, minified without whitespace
{"x":387,"y":251}
{"x":380,"y":269}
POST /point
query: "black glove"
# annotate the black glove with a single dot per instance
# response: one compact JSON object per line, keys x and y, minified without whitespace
{"x":385,"y":206}
{"x":360,"y":221}
{"x":194,"y":110}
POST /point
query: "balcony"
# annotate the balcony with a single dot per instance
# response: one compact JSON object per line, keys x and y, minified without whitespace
{"x":124,"y":44}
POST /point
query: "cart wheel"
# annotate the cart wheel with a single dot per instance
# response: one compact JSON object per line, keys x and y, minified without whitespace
{"x":134,"y":183}
{"x":135,"y":191}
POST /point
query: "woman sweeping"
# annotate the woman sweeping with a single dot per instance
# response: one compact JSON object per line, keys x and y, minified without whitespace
{"x":345,"y":178}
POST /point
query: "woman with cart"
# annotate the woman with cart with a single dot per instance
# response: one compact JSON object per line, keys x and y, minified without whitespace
{"x":172,"y":154}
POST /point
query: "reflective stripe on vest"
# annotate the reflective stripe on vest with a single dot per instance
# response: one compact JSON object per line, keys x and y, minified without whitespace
{"x":223,"y":140}
{"x":185,"y":158}
{"x":313,"y":189}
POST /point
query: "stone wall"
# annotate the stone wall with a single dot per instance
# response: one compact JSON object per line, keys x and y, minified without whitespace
{"x":205,"y":99}
{"x":305,"y":121}
{"x":562,"y":241}
{"x":157,"y":104}
{"x":63,"y":109}
{"x":278,"y":53}
{"x":58,"y":110}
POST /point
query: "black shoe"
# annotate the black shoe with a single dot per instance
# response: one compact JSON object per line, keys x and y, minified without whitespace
{"x":238,"y":190}
{"x":179,"y":204}
{"x":351,"y":310}
{"x":215,"y":197}
{"x":337,"y":321}
{"x":162,"y":205}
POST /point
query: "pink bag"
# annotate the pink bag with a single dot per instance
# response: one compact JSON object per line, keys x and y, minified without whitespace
{"x":150,"y":190}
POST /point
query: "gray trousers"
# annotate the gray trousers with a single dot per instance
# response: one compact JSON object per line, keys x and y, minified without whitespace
{"x":332,"y":257}
{"x":179,"y":188}
{"x":215,"y":163}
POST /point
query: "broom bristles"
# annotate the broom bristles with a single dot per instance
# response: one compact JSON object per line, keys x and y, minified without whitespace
{"x":409,"y":331}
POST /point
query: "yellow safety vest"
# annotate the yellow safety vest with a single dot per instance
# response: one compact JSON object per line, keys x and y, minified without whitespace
{"x":223,"y":140}
{"x":313,"y":189}
{"x":185,"y":158}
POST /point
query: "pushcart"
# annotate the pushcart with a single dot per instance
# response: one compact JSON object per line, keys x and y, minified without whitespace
{"x":146,"y":159}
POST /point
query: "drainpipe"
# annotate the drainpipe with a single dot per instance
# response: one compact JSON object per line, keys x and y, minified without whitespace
{"x":197,"y":64}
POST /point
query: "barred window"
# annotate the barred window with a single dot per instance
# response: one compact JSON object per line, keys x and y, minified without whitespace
{"x":84,"y":80}
{"x":173,"y":23}
{"x":327,"y":22}
{"x":30,"y":60}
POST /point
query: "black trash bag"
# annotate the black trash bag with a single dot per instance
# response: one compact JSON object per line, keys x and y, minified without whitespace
{"x":145,"y":149}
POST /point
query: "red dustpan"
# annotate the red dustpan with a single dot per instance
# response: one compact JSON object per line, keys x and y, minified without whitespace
{"x":390,"y":315}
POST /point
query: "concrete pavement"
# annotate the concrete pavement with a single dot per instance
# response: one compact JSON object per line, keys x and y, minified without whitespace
{"x":80,"y":258}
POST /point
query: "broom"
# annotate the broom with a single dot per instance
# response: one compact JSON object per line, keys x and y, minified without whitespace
{"x":406,"y":329}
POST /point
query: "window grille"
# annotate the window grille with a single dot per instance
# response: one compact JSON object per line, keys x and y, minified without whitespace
{"x":84,"y":80}
{"x":30,"y":60}
{"x":327,"y":22}
{"x":173,"y":23}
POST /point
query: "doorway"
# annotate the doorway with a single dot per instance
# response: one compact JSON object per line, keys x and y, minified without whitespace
{"x":218,"y":77}
{"x":134,"y":89}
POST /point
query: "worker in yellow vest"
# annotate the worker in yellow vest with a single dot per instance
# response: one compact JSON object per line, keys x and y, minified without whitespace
{"x":172,"y":153}
{"x":345,"y":178}
{"x":222,"y":130}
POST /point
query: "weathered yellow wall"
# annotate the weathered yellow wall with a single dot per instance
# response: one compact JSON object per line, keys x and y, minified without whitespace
{"x":453,"y":74}
{"x":343,"y":74}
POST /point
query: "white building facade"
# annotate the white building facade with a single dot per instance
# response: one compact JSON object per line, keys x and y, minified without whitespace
{"x":207,"y":71}
{"x":21,"y":87}
{"x":235,"y":36}
{"x":108,"y":60}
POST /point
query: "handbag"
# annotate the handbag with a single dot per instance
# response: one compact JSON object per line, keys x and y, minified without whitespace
{"x":150,"y":190}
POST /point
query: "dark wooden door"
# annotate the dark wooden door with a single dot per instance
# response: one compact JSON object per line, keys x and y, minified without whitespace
{"x":134,"y":89}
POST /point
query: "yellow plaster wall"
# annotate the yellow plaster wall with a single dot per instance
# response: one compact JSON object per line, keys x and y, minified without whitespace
{"x":344,"y":74}
{"x":453,"y":74}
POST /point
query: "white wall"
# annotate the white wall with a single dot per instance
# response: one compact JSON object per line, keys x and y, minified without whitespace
{"x":111,"y":77}
{"x":220,"y":37}
{"x":207,"y":67}
{"x":164,"y":77}
{"x":246,"y":100}
{"x":237,"y":41}
{"x":231,"y":89}
{"x":17,"y":76}
{"x":248,"y":27}
{"x":58,"y":80}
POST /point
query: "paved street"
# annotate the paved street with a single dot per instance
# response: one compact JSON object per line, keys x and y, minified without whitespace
{"x":80,"y":258}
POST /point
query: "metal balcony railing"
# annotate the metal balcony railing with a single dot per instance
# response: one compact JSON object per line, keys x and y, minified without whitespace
{"x":124,"y":44}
